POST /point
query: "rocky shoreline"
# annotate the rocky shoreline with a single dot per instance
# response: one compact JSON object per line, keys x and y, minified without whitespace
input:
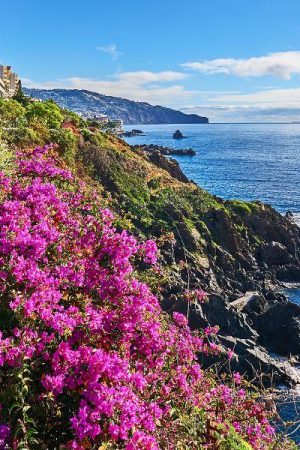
{"x":166,"y":151}
{"x":132,"y":133}
{"x":255,"y":318}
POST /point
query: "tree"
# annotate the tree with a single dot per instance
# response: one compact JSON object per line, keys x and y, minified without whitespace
{"x":20,"y":97}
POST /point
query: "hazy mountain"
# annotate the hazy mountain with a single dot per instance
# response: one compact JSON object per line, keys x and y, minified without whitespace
{"x":82,"y":101}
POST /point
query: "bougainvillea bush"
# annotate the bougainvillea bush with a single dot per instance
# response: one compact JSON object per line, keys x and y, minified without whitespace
{"x":87,"y":358}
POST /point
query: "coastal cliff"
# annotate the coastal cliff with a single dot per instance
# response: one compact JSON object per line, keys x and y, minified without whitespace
{"x":95,"y":301}
{"x":229,"y":248}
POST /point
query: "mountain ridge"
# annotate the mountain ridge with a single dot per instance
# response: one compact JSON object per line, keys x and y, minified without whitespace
{"x":131,"y":112}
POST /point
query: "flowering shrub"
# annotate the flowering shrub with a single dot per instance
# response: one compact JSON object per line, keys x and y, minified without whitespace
{"x":87,"y":358}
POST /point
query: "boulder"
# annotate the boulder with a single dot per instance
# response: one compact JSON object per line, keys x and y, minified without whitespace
{"x":218,"y":312}
{"x":177,"y":135}
{"x":279,"y":328}
{"x":274,"y":254}
{"x":250,"y":302}
{"x":256,"y":363}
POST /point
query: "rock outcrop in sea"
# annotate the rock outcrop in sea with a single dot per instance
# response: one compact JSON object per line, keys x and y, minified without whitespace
{"x":178,"y":135}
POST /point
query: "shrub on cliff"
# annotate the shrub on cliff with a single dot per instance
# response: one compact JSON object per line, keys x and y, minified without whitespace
{"x":47,"y":112}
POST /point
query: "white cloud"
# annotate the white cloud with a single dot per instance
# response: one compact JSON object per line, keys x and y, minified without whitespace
{"x":111,"y":49}
{"x":153,"y":87}
{"x":274,"y":97}
{"x":280,"y":64}
{"x":143,"y":77}
{"x":271,"y":105}
{"x":246,"y":113}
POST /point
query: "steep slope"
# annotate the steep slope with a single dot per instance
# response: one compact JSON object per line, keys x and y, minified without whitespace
{"x":238,"y":252}
{"x":82,"y":101}
{"x":228,"y":248}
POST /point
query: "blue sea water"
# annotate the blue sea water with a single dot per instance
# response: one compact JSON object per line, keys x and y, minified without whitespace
{"x":294,"y":294}
{"x":238,"y":161}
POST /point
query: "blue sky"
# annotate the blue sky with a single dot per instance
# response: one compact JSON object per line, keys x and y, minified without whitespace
{"x":234,"y":60}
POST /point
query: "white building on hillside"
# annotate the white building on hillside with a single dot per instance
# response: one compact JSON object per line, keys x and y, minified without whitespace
{"x":9,"y":82}
{"x":2,"y":88}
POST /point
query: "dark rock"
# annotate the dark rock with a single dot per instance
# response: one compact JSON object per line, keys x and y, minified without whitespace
{"x":164,"y":150}
{"x":168,"y":164}
{"x":250,"y":359}
{"x":137,"y":131}
{"x":190,"y":237}
{"x":289,"y":273}
{"x":222,"y":228}
{"x":274,"y":254}
{"x":257,"y":304}
{"x":178,"y":135}
{"x":218,"y":312}
{"x":253,"y":361}
{"x":271,"y":226}
{"x":279,"y":328}
{"x":132,"y":133}
{"x":251,"y":302}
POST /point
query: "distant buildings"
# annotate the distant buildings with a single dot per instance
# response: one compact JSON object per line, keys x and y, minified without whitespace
{"x":9,"y":82}
{"x":100,"y":118}
{"x":117,"y":125}
{"x":113,"y":125}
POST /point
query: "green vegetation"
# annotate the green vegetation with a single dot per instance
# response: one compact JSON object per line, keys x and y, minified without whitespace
{"x":7,"y":159}
{"x":242,"y":208}
{"x":234,"y":442}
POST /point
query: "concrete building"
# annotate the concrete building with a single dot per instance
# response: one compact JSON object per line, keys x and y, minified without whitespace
{"x":9,"y":82}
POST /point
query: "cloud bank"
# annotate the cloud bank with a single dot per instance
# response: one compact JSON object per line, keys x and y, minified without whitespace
{"x":282,"y":65}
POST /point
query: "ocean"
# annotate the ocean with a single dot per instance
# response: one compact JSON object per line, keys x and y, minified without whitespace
{"x":238,"y":161}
